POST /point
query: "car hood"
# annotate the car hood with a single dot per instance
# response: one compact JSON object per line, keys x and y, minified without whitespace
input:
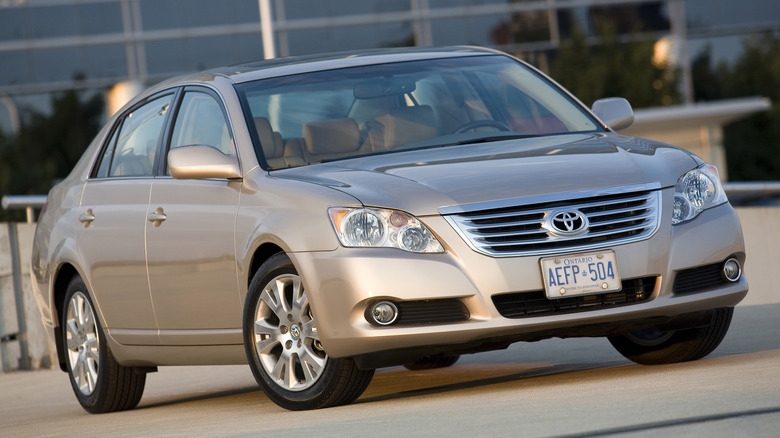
{"x":422,"y":181}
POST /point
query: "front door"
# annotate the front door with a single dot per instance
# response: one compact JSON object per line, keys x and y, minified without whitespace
{"x":190,"y":225}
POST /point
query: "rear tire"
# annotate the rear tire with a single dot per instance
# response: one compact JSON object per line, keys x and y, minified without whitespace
{"x":432,"y":362}
{"x":651,"y":347}
{"x":283,"y":346}
{"x":100,"y":384}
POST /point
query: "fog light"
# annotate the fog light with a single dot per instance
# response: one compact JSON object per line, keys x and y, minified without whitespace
{"x":732,"y":270}
{"x":384,"y":313}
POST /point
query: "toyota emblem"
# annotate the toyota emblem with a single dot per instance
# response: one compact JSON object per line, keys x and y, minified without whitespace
{"x":566,"y":222}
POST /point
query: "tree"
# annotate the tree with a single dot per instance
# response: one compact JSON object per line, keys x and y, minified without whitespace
{"x":753,"y":144}
{"x":614,"y":68}
{"x":47,"y":146}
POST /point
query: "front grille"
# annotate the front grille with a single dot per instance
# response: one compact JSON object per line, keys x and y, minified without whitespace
{"x":431,"y":312}
{"x":699,"y":279}
{"x":536,"y":303}
{"x":522,"y":226}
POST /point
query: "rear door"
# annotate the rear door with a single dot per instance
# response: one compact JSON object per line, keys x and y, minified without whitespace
{"x":113,"y":215}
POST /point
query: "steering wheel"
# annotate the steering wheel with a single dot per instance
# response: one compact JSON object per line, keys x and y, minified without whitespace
{"x":481,"y":124}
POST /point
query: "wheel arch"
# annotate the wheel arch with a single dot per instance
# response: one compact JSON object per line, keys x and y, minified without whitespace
{"x":64,"y":275}
{"x":261,"y":254}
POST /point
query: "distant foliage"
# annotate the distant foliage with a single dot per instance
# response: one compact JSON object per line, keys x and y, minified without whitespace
{"x":625,"y":69}
{"x":753,"y":144}
{"x":47,"y":147}
{"x":613,"y":68}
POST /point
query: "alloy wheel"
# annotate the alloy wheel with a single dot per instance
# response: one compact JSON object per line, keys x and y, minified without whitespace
{"x":285,"y":335}
{"x":82,"y":342}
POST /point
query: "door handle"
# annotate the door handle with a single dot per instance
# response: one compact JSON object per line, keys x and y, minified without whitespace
{"x":87,"y":217}
{"x":157,"y":217}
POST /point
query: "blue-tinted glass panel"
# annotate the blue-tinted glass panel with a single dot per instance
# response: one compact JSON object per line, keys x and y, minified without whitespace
{"x":164,"y":57}
{"x":166,"y":14}
{"x":53,"y":21}
{"x":105,"y":61}
{"x":480,"y":30}
{"x":210,"y":52}
{"x":100,"y":18}
{"x":161,"y":14}
{"x":60,"y":21}
{"x":51,"y":65}
{"x":628,"y":18}
{"x":295,"y":9}
{"x":15,"y":68}
{"x":724,"y":49}
{"x":704,"y":13}
{"x":457,"y":3}
{"x":194,"y":54}
{"x":350,"y":38}
{"x":248,"y":48}
{"x":13,"y":24}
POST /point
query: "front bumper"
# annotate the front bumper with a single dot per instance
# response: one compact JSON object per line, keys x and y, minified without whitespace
{"x":341,"y":284}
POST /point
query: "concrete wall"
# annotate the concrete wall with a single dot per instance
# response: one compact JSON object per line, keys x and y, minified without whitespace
{"x":760,"y":226}
{"x":40,"y":349}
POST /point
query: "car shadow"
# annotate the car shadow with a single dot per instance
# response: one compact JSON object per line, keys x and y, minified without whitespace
{"x":753,"y":331}
{"x":227,"y":394}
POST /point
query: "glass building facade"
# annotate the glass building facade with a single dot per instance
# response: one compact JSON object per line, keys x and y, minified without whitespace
{"x":53,"y":45}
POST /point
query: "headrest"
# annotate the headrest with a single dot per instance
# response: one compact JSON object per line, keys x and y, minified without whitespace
{"x":407,"y":125}
{"x":331,"y":136}
{"x":267,"y":136}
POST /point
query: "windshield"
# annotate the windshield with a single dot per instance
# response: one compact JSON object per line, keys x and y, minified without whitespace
{"x":345,"y":113}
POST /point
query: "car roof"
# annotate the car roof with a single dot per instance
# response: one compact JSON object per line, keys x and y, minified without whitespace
{"x":310,"y":63}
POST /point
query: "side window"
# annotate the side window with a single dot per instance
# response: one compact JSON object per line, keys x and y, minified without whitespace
{"x":200,"y":121}
{"x":108,"y":155}
{"x":132,"y":150}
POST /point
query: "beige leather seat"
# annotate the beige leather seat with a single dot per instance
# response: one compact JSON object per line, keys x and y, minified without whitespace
{"x":330,"y":139}
{"x":401,"y":126}
{"x":271,"y":143}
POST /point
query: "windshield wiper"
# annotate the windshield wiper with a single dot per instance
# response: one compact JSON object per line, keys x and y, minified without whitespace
{"x":491,"y":138}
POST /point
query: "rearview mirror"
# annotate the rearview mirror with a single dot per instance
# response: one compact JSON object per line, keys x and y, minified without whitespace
{"x":615,"y":112}
{"x":384,"y":87}
{"x":202,"y":162}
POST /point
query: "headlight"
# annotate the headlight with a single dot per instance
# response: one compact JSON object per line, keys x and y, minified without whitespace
{"x":373,"y":227}
{"x":695,"y":192}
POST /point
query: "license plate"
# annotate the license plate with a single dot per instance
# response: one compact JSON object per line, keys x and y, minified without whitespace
{"x":580,"y":274}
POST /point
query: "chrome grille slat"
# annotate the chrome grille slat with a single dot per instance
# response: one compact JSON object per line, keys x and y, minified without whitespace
{"x":618,"y":211}
{"x":643,"y":217}
{"x":477,"y":217}
{"x":612,"y":202}
{"x":548,"y":239}
{"x":503,"y":224}
{"x":496,"y":234}
{"x":511,"y":228}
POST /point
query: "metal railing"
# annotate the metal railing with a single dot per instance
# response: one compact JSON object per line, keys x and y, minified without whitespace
{"x":757,"y":188}
{"x":26,"y":202}
{"x":752,"y":188}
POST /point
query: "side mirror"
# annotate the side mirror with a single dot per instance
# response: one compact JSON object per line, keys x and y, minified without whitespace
{"x":615,"y":112}
{"x":202,"y":162}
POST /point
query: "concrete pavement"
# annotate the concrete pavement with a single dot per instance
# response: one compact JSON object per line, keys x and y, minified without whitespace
{"x":573,"y":387}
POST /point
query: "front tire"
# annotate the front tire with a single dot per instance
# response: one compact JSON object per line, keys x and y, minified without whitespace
{"x":100,"y":384}
{"x":651,"y":347}
{"x":283,"y":346}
